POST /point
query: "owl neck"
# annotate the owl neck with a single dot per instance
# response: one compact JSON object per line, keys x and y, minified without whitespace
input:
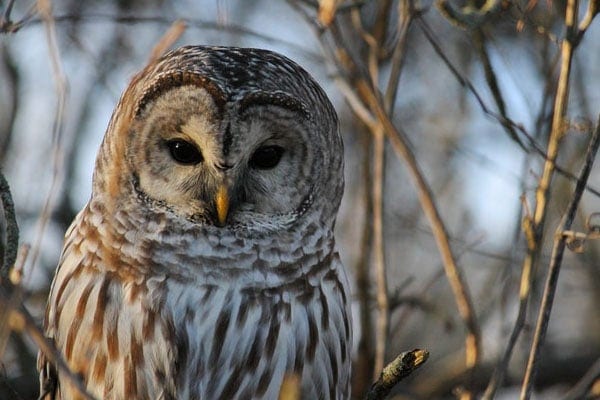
{"x":173,"y":242}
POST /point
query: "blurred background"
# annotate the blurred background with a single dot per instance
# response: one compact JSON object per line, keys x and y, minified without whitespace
{"x":472,"y":90}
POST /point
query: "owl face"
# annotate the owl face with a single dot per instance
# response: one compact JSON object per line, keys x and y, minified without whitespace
{"x":226,"y":136}
{"x":224,"y":167}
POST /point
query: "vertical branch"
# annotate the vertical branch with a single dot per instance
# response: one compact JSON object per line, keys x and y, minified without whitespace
{"x":555,"y":263}
{"x":534,"y":229}
{"x":406,"y":15}
{"x":60,"y":80}
{"x":454,"y":275}
{"x":379,"y":256}
{"x":364,"y":362}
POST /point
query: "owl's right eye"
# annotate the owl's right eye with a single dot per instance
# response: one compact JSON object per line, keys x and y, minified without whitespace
{"x":184,"y":152}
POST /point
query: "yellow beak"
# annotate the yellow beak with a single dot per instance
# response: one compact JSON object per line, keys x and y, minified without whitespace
{"x":222,"y":204}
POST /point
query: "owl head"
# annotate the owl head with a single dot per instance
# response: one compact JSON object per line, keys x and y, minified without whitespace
{"x":223,"y":136}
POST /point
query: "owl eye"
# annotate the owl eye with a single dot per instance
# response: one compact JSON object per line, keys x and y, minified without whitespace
{"x":266,"y":157}
{"x":184,"y":152}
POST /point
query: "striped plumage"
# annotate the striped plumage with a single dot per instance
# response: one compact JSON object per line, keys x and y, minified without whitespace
{"x":213,"y":279}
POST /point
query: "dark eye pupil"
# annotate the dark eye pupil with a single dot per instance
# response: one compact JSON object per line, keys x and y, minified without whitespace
{"x":266,"y":157}
{"x":184,"y":152}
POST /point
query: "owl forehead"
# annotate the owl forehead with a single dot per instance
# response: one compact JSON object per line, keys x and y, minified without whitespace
{"x":230,"y":74}
{"x":238,"y":70}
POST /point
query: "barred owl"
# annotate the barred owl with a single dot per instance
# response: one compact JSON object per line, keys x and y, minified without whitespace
{"x":204,"y":264}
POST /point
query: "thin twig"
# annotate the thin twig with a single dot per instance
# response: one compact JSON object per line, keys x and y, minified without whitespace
{"x":362,"y":373}
{"x":592,"y":11}
{"x":579,"y":390}
{"x":22,"y":321}
{"x":467,"y":84}
{"x":374,"y":40}
{"x":166,"y":41}
{"x":560,"y":241}
{"x":406,"y":15}
{"x":60,"y":80}
{"x":534,"y":227}
{"x":12,"y":313}
{"x":458,"y":284}
{"x":93,"y":18}
{"x":492,"y":82}
{"x":400,"y":144}
{"x":402,"y":366}
{"x":381,"y":333}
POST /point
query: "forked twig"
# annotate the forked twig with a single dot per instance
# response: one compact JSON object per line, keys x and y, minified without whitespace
{"x":560,"y":242}
{"x":453,"y":273}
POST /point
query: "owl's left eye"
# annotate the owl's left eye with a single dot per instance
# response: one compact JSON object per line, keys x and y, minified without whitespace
{"x":266,"y":157}
{"x":184,"y":152}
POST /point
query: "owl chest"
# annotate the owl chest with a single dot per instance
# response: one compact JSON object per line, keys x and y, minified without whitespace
{"x":243,"y":342}
{"x":174,"y":338}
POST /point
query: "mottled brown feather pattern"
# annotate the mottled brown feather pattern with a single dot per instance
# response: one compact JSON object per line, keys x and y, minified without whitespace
{"x":156,"y":298}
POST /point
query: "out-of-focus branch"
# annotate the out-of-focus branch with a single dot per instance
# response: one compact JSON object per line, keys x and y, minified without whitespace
{"x":12,"y":230}
{"x":356,"y":78}
{"x":374,"y":40}
{"x":6,"y":23}
{"x":492,"y":82}
{"x":12,"y":313}
{"x":363,"y":366}
{"x":467,"y":84}
{"x":406,"y":15}
{"x":166,"y":41}
{"x":468,"y":17}
{"x":96,"y":18}
{"x":592,"y":11}
{"x":581,"y":388}
{"x":381,"y":333}
{"x":11,"y":83}
{"x":19,"y":320}
{"x":44,"y":8}
{"x":453,"y":273}
{"x":560,"y":242}
{"x":534,"y":227}
{"x":402,"y":366}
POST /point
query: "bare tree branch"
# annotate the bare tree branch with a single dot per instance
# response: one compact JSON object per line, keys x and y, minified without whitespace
{"x":60,"y":80}
{"x":560,"y":242}
{"x":504,"y":122}
{"x":402,"y":366}
{"x":457,"y":282}
{"x":579,"y":390}
{"x":534,"y":228}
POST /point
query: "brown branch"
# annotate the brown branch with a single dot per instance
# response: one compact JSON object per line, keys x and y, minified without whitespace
{"x":381,"y":332}
{"x":400,"y":145}
{"x":45,"y":9}
{"x":363,"y":366}
{"x":402,"y":366}
{"x":535,"y":232}
{"x":579,"y":390}
{"x":374,"y":41}
{"x":406,"y":15}
{"x":492,"y":82}
{"x":457,"y":282}
{"x":7,"y":25}
{"x":166,"y":41}
{"x":560,"y":242}
{"x":504,"y":122}
{"x":94,"y":17}
{"x":13,"y":315}
{"x":20,"y":320}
